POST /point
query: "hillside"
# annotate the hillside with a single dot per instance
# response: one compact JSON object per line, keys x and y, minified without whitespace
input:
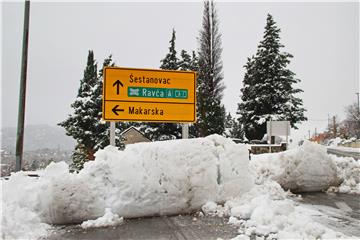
{"x":37,"y":137}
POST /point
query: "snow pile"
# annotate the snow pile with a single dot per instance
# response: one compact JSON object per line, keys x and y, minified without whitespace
{"x":348,"y":171}
{"x":213,"y":209}
{"x":307,"y":168}
{"x":267,"y":212}
{"x":340,"y":141}
{"x":19,"y":219}
{"x":146,"y":179}
{"x":109,"y":219}
{"x":335,"y":141}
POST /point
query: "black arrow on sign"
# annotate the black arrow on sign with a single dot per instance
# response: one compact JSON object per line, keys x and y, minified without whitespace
{"x":115,"y":110}
{"x":118,"y":84}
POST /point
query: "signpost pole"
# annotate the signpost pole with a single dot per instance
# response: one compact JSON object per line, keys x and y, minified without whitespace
{"x":270,"y":136}
{"x":287,"y":134}
{"x":112,"y":133}
{"x":185,"y":131}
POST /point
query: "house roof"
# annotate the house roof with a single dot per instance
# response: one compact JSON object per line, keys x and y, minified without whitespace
{"x":132,"y":127}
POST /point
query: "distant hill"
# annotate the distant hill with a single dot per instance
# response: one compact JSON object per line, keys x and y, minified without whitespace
{"x":37,"y":137}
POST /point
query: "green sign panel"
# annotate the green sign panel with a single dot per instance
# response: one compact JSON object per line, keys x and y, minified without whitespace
{"x":145,"y":92}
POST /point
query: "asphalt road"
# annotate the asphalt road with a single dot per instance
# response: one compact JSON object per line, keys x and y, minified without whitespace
{"x":340,"y":212}
{"x":155,"y":228}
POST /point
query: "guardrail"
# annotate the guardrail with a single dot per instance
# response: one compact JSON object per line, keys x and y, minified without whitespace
{"x":340,"y":153}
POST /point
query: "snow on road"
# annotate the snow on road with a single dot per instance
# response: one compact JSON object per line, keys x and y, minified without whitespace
{"x":109,"y":219}
{"x":175,"y":177}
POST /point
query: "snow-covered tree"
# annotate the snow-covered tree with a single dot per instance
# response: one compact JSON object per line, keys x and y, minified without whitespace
{"x":268,"y":91}
{"x":187,"y":62}
{"x":232,"y":128}
{"x":102,"y":128}
{"x":85,"y":124}
{"x":229,"y":123}
{"x":79,"y":157}
{"x":169,"y":131}
{"x":165,"y":131}
{"x":80,"y":125}
{"x":210,"y":87}
{"x":170,"y":62}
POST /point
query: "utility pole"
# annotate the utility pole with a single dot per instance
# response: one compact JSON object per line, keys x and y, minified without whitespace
{"x":358,"y":105}
{"x":22,"y":94}
{"x":334,"y":126}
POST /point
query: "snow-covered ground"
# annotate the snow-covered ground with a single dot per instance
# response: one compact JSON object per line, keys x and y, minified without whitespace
{"x":181,"y":176}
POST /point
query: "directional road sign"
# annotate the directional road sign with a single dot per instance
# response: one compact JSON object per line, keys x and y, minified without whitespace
{"x":149,"y":95}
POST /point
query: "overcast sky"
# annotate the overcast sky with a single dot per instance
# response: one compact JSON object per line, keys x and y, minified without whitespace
{"x":323,"y":37}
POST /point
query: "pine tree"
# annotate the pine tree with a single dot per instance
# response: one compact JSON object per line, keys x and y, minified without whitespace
{"x":170,"y":62}
{"x":85,"y":124}
{"x":268,"y":91}
{"x":165,"y":131}
{"x":211,"y":113}
{"x":78,"y":158}
{"x":80,"y":124}
{"x":229,"y":123}
{"x":185,"y":61}
{"x":232,"y":128}
{"x":102,"y":128}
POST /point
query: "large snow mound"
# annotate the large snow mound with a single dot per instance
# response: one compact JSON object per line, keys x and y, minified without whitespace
{"x":348,"y":172}
{"x":304,"y":169}
{"x":145,"y":179}
{"x":267,"y":212}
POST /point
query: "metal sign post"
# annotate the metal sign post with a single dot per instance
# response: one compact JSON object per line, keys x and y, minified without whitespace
{"x":185,"y":131}
{"x":270,"y":136}
{"x":112,"y":134}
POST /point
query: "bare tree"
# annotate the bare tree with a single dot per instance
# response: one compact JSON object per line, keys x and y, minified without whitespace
{"x":352,"y":121}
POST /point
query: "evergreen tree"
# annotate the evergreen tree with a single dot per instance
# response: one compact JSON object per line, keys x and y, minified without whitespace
{"x":232,"y":128}
{"x":165,"y":131}
{"x":78,"y":158}
{"x":170,"y":62}
{"x":268,"y":91}
{"x":102,"y":128}
{"x":211,"y":113}
{"x":194,"y":63}
{"x":85,"y":124}
{"x":80,"y":124}
{"x":185,"y":61}
{"x":229,"y":123}
{"x":189,"y":63}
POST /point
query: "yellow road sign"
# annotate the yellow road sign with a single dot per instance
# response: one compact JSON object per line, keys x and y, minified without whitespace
{"x":131,"y":94}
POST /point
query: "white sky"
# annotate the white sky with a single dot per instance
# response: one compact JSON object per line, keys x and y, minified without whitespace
{"x":323,"y":37}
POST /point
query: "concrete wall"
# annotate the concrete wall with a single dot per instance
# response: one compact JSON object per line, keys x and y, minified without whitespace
{"x":259,"y":149}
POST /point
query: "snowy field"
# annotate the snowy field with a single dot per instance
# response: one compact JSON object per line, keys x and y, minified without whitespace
{"x":210,"y":175}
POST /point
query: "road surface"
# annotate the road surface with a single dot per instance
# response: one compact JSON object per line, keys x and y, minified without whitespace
{"x":155,"y":228}
{"x":340,"y":212}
